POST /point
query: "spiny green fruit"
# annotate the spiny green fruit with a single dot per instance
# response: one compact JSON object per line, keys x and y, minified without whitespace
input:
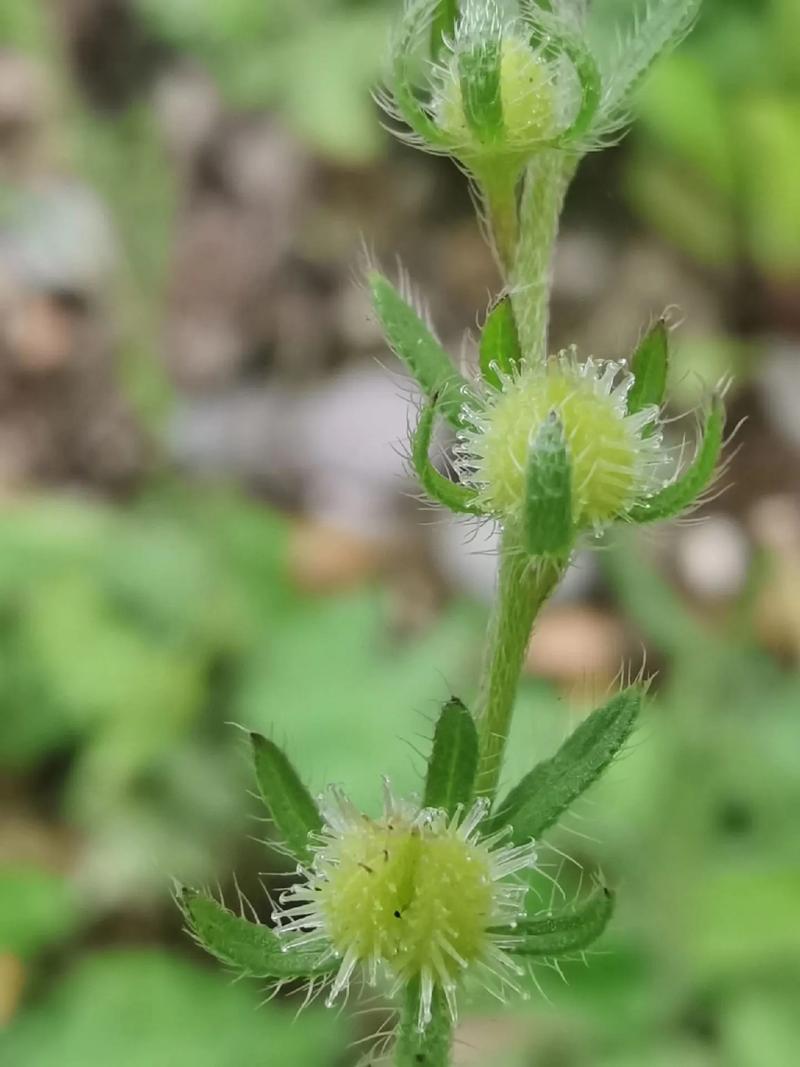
{"x":416,"y":893}
{"x":527,"y":99}
{"x":614,"y":456}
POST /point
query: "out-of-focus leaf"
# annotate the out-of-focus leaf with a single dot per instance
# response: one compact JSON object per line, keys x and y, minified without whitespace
{"x":337,"y":663}
{"x":694,"y":219}
{"x":37,"y":909}
{"x":769,"y":127}
{"x":761,"y":1028}
{"x":743,"y":918}
{"x":149,"y":1009}
{"x":316,"y":62}
{"x":684,"y":114}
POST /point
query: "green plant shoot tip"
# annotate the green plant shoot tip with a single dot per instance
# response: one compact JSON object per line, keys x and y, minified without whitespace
{"x":291,"y":807}
{"x":500,"y":352}
{"x":450,"y":781}
{"x":649,"y":368}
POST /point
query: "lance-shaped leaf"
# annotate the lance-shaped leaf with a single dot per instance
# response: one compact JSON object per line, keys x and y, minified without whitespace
{"x":250,"y":948}
{"x":450,"y":781}
{"x":547,"y":520}
{"x":569,"y":931}
{"x":537,"y":801}
{"x":458,"y":498}
{"x":479,"y":56}
{"x":684,"y":491}
{"x":500,"y":350}
{"x":412,"y":341}
{"x":291,"y":806}
{"x":649,"y":367}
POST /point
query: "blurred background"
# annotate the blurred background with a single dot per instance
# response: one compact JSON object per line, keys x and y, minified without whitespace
{"x":206,"y":523}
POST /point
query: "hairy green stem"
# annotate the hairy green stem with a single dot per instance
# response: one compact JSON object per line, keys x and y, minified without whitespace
{"x":499,"y":190}
{"x":430,"y":1047}
{"x":544,"y":188}
{"x":523,"y":586}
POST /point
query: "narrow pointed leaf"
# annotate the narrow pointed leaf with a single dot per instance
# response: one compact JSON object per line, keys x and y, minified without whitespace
{"x":458,"y":498}
{"x":250,"y":948}
{"x":450,"y":781}
{"x":570,"y":931}
{"x":548,"y":528}
{"x":290,"y":804}
{"x":684,"y":491}
{"x":413,"y":343}
{"x":649,"y":366}
{"x":537,"y":801}
{"x":500,"y":349}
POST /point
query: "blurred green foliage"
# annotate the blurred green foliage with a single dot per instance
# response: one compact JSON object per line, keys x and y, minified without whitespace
{"x":150,"y":1009}
{"x":22,"y":25}
{"x":129,"y":638}
{"x":124,"y":160}
{"x":315,"y":61}
{"x":37,"y":910}
{"x":718,"y":142}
